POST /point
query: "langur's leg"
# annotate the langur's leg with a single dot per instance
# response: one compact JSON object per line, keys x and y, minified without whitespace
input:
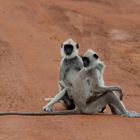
{"x":115,"y":104}
{"x":94,"y":106}
{"x":119,"y":95}
{"x":54,"y":100}
{"x":68,"y":102}
{"x":117,"y":107}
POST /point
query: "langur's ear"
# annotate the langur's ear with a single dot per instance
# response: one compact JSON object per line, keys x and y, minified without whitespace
{"x":77,"y":46}
{"x":95,"y":56}
{"x":61,"y":45}
{"x":86,"y":61}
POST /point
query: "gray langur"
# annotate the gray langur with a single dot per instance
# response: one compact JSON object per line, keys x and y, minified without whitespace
{"x":70,"y":65}
{"x":90,"y":93}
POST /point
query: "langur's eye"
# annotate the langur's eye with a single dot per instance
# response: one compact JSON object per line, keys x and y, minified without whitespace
{"x":95,"y":56}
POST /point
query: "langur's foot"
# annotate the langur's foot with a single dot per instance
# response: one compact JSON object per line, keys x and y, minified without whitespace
{"x":102,"y":110}
{"x":132,"y":114}
{"x":47,"y":109}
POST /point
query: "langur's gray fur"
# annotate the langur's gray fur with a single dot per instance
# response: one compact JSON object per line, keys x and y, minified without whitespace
{"x":70,"y":65}
{"x":90,"y":93}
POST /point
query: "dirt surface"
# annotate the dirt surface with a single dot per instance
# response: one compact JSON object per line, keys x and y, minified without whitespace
{"x":31,"y":32}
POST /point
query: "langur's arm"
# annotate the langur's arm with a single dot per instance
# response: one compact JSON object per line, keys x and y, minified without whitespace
{"x":107,"y":89}
{"x":62,"y":75}
{"x":62,"y":82}
{"x":101,"y":89}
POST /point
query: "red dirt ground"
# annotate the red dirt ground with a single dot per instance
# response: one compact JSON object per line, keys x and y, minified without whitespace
{"x":31,"y":32}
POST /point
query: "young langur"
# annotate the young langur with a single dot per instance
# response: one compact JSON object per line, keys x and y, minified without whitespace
{"x":70,"y":65}
{"x":90,"y":93}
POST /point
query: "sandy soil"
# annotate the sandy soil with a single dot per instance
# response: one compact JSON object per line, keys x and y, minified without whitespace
{"x":30,"y":36}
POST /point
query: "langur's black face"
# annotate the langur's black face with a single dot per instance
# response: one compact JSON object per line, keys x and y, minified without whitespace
{"x":68,"y":49}
{"x":86,"y":61}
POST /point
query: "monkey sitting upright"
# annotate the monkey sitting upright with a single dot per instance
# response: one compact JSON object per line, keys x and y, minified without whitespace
{"x":70,"y":65}
{"x":90,"y":93}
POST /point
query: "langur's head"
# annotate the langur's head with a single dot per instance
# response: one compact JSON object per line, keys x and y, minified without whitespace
{"x":69,"y":49}
{"x":90,"y":59}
